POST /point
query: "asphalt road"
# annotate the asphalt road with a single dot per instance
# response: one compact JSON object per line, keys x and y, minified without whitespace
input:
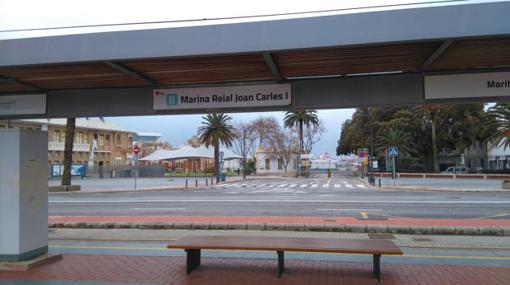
{"x":338,"y":197}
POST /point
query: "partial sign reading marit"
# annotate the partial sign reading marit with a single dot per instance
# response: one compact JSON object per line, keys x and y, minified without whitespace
{"x":222,"y":97}
{"x":470,"y":85}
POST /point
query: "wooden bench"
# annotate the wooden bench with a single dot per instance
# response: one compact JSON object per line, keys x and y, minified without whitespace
{"x":194,"y":244}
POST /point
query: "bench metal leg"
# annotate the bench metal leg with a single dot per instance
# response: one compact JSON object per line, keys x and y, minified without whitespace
{"x":192,"y":259}
{"x":281,"y":263}
{"x":377,"y":267}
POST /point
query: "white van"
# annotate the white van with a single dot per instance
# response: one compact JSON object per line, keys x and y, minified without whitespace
{"x":456,"y":170}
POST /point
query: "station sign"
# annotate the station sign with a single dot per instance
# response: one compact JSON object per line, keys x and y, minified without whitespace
{"x":222,"y":97}
{"x":32,"y":104}
{"x":470,"y":85}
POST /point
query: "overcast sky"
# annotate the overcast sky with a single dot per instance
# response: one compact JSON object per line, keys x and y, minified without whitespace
{"x":30,"y":14}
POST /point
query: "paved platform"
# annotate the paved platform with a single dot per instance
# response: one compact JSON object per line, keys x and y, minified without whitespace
{"x":101,"y":269}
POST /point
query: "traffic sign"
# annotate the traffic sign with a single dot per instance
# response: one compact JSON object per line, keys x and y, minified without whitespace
{"x":393,"y":151}
{"x":136,"y":150}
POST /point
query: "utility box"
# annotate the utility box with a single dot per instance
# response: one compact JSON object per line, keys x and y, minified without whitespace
{"x":23,"y":194}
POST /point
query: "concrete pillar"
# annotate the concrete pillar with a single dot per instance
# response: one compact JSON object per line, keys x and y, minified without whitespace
{"x":23,"y":194}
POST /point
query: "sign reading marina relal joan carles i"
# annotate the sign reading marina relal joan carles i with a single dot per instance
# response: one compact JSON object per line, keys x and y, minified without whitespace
{"x":222,"y":97}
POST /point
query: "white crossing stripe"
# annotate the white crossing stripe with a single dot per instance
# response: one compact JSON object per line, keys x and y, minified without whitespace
{"x":349,"y":186}
{"x":303,"y":185}
{"x":282,"y":185}
{"x":292,"y":185}
{"x":360,"y":185}
{"x":325,"y":185}
{"x":337,"y":185}
{"x":315,"y":185}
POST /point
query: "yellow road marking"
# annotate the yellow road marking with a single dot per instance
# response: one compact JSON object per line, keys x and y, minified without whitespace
{"x":165,"y":249}
{"x":495,"y":216}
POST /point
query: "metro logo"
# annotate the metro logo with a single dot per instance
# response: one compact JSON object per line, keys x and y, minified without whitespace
{"x":172,"y":99}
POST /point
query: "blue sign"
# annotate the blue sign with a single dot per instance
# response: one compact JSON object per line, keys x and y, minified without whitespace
{"x":76,"y":170}
{"x":172,"y":99}
{"x":393,"y":151}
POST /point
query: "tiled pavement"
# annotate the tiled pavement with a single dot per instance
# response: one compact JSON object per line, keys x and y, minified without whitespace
{"x":171,"y":270}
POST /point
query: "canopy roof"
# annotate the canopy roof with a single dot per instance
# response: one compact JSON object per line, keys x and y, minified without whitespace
{"x":187,"y":151}
{"x":452,"y":36}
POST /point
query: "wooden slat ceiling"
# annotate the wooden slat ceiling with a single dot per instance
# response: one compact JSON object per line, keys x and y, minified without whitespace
{"x":461,"y":55}
{"x":480,"y":53}
{"x":236,"y":68}
{"x":342,"y":61}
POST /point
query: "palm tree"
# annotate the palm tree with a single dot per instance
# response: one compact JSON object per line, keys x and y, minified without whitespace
{"x":216,"y":130}
{"x":396,"y":138}
{"x":68,"y":151}
{"x":498,"y":124}
{"x":300,"y":118}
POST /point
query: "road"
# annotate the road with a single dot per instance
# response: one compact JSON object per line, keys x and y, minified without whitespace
{"x":340,"y":196}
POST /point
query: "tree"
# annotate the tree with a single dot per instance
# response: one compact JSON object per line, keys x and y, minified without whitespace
{"x":299,"y":119}
{"x":396,"y":138}
{"x":498,"y":124}
{"x":216,"y":130}
{"x":262,"y":126}
{"x":68,"y":151}
{"x":313,"y":135}
{"x":284,"y":145}
{"x":244,"y":142}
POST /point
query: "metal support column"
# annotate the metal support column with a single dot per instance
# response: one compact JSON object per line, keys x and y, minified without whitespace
{"x":192,"y":259}
{"x":281,"y":263}
{"x":377,"y":267}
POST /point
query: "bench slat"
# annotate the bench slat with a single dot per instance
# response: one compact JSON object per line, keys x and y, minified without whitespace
{"x":325,"y":245}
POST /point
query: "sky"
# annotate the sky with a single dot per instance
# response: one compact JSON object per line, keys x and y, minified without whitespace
{"x":14,"y":15}
{"x":177,"y":129}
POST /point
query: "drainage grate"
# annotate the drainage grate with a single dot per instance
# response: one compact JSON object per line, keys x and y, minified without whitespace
{"x":381,"y":236}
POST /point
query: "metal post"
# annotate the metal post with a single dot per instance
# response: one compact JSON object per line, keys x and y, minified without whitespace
{"x":186,"y":183}
{"x":371,"y":179}
{"x":206,"y":182}
{"x":379,"y":182}
{"x":135,"y":172}
{"x":196,"y":183}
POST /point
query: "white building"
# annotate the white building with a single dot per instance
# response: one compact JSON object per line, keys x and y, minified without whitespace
{"x":487,"y":157}
{"x":268,"y":163}
{"x":323,"y":162}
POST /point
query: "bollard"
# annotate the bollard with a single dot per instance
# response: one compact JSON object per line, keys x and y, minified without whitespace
{"x":206,"y":182}
{"x":379,"y":182}
{"x":212,"y":181}
{"x":186,"y":183}
{"x":196,"y":183}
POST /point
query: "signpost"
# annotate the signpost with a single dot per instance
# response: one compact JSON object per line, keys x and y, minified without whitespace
{"x":136,"y":152}
{"x":393,"y":152}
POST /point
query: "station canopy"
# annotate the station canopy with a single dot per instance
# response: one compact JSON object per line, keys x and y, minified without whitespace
{"x":443,"y":36}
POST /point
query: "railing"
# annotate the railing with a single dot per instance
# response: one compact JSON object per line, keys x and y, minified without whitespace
{"x":59,"y":146}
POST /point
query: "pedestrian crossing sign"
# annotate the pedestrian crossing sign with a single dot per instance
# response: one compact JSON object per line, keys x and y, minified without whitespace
{"x":393,"y":151}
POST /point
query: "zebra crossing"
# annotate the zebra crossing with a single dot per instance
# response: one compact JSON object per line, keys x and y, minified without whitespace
{"x":292,"y":187}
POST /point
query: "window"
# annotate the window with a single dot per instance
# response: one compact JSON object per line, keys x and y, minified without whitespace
{"x":56,"y":136}
{"x":79,"y":137}
{"x":100,"y":141}
{"x":267,"y":164}
{"x":280,"y":163}
{"x":117,"y":139}
{"x":107,"y":139}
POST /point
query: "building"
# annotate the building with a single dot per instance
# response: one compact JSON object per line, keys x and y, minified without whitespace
{"x":486,"y":156}
{"x":323,"y":162}
{"x":189,"y":159}
{"x":113,"y":144}
{"x":150,"y":142}
{"x":267,"y":162}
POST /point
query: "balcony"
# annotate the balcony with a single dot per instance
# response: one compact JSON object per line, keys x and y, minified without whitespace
{"x":59,"y":146}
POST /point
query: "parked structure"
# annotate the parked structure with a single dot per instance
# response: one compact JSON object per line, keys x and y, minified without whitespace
{"x":324,"y":162}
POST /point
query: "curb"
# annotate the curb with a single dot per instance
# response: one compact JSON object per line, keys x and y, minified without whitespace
{"x":391,"y":229}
